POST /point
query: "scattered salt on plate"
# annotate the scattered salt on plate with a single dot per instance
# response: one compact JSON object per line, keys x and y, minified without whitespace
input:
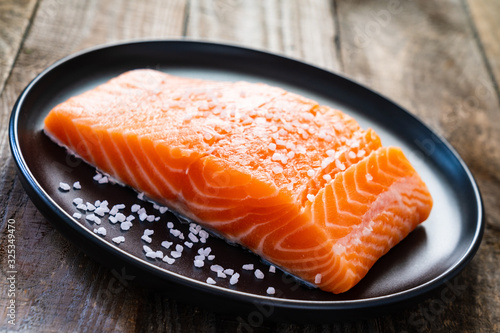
{"x":119,"y":239}
{"x":64,"y":187}
{"x":146,"y":238}
{"x":199,"y":263}
{"x":258,"y":274}
{"x":248,"y":267}
{"x":100,"y":231}
{"x":234,"y":279}
{"x":125,"y":225}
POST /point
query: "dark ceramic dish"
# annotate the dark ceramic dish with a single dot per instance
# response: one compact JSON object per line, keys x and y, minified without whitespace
{"x":434,"y":253}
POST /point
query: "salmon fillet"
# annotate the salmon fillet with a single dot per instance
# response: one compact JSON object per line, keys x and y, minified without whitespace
{"x":300,"y":184}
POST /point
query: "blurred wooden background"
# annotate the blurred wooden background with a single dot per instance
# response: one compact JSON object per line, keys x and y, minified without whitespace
{"x":438,"y":59}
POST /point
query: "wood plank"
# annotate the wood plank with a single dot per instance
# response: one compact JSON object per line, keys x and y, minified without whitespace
{"x":484,"y":15}
{"x":59,"y":288}
{"x":299,"y":29}
{"x":424,"y":56}
{"x":14,"y":19}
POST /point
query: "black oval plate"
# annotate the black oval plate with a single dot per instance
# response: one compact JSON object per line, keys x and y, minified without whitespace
{"x":435,"y":252}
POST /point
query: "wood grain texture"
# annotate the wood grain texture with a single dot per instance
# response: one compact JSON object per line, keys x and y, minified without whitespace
{"x":429,"y":56}
{"x":424,"y":56}
{"x":14,"y":19}
{"x":484,"y":16}
{"x":303,"y":30}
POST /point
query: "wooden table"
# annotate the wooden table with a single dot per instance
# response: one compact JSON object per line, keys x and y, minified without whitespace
{"x":438,"y":59}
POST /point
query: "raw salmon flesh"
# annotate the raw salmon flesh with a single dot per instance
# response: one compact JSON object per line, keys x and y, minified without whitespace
{"x":300,"y":184}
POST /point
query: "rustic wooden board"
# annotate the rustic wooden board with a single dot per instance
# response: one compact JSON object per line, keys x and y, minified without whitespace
{"x":435,"y":58}
{"x":15,"y":17}
{"x":424,"y":56}
{"x":302,"y":30}
{"x":484,"y":19}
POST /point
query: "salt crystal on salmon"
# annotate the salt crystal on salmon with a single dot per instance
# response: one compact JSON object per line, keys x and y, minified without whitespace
{"x":298,"y":183}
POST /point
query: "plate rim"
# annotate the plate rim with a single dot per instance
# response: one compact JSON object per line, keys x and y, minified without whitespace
{"x":366,"y":303}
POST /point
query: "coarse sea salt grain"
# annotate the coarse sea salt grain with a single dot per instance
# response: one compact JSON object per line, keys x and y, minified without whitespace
{"x":188,"y":244}
{"x":175,"y":232}
{"x":100,"y":211}
{"x":90,"y":207}
{"x":159,"y":254}
{"x":248,"y":267}
{"x":125,"y":225}
{"x":146,"y":238}
{"x":277,"y":169}
{"x":271,"y":291}
{"x":120,"y":217}
{"x":340,"y":165}
{"x":258,"y":274}
{"x":135,"y":208}
{"x":64,"y":187}
{"x":146,"y":248}
{"x":151,"y":255}
{"x":77,"y":186}
{"x":211,"y":257}
{"x":234,"y":279}
{"x":205,"y":251}
{"x":170,"y":225}
{"x":97,"y":177}
{"x":166,"y":244}
{"x":317,"y":278}
{"x":113,"y":211}
{"x":229,"y":271}
{"x":168,"y":260}
{"x":216,"y":268}
{"x":82,"y":206}
{"x":210,"y":281}
{"x":100,"y":231}
{"x":77,"y":215}
{"x":272,"y":269}
{"x":192,"y":238}
{"x":148,"y":232}
{"x":176,"y":254}
{"x":93,"y":218}
{"x":119,"y":239}
{"x":199,"y":263}
{"x":77,"y":201}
